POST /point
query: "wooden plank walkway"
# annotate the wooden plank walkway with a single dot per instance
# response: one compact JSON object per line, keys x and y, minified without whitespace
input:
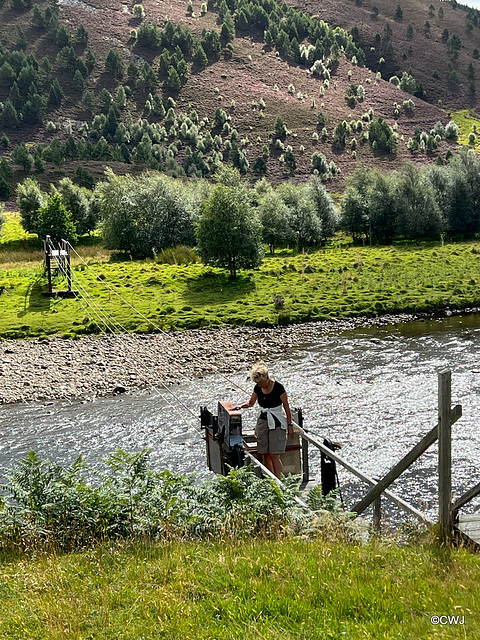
{"x":469,"y":526}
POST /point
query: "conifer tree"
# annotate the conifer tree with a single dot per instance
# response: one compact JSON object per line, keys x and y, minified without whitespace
{"x":200,"y":57}
{"x":114,"y":64}
{"x":81,"y":36}
{"x":55,"y":95}
{"x":173,"y":81}
{"x":9,"y":116}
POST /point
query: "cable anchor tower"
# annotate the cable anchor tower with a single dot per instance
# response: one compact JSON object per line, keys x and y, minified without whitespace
{"x":57,"y":262}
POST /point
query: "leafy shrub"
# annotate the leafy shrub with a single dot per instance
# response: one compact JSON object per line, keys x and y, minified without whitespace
{"x":144,"y":215}
{"x":138,"y":11}
{"x":177,"y":255}
{"x":228,"y":232}
{"x":51,"y":506}
{"x":451,"y":131}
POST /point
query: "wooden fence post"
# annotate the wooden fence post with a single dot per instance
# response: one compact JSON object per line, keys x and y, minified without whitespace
{"x":445,"y":455}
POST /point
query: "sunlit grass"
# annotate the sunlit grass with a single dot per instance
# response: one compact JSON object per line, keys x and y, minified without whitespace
{"x":466,"y":120}
{"x":273,"y":590}
{"x":336,"y":282}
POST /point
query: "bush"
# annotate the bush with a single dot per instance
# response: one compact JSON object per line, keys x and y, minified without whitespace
{"x":30,"y":199}
{"x":55,"y":221}
{"x":5,"y":193}
{"x":114,"y":64}
{"x":451,"y":131}
{"x":84,"y":178}
{"x":340,"y":134}
{"x":274,"y":216}
{"x":138,"y":11}
{"x":144,"y":215}
{"x":303,"y":222}
{"x":177,"y":255}
{"x":47,"y":505}
{"x":325,"y":208}
{"x":382,"y":136}
{"x":77,"y":200}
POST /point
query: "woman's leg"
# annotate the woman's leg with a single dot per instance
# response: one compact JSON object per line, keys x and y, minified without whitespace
{"x":277,"y":464}
{"x":267,"y":458}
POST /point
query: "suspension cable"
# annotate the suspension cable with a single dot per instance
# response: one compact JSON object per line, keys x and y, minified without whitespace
{"x":159,"y":329}
{"x":108,"y":320}
{"x":117,"y":325}
{"x":90,"y":301}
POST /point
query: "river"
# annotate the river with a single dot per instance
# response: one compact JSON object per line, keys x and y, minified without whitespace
{"x":372,"y":389}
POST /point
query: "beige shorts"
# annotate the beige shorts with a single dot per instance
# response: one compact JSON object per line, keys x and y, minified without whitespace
{"x":270,"y":440}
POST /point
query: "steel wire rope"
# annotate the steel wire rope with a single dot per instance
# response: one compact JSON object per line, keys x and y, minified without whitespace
{"x":93,"y":305}
{"x":157,"y":327}
{"x":299,"y":429}
{"x":175,"y":374}
{"x":88,"y":310}
{"x":178,"y":343}
{"x":129,"y":337}
{"x":126,"y":335}
{"x":113,"y":321}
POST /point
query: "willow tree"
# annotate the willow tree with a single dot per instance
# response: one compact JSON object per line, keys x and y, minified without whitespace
{"x":229,"y":234}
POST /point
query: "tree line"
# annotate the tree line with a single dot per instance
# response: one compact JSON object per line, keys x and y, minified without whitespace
{"x":414,"y":203}
{"x":229,"y":222}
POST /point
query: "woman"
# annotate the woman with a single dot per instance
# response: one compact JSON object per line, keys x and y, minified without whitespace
{"x":272,"y":424}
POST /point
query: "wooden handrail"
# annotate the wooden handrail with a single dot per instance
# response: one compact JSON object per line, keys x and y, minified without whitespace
{"x":466,"y":497}
{"x":410,"y":509}
{"x":404,"y":463}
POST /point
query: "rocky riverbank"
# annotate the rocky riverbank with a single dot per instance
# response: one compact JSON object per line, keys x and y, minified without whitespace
{"x":54,"y":368}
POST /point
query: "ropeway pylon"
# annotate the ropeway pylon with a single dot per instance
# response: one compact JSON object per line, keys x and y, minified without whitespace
{"x":57,"y":262}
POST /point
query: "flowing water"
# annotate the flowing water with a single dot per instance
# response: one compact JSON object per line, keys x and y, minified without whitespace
{"x":374,"y":390}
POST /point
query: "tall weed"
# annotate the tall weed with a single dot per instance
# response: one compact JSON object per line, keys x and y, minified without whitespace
{"x":48,"y":506}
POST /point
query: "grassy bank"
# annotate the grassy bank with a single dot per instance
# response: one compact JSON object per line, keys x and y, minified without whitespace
{"x":336,"y":282}
{"x":466,"y":119}
{"x":270,"y":590}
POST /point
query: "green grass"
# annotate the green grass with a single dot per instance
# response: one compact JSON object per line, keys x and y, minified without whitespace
{"x":465,"y":119}
{"x":255,"y":590}
{"x":335,"y":282}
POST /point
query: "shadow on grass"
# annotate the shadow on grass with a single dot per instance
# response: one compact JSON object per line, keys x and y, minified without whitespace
{"x":34,"y":302}
{"x":216,"y":288}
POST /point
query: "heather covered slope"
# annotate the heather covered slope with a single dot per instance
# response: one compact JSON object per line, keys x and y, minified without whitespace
{"x":425,"y":48}
{"x":251,"y":80}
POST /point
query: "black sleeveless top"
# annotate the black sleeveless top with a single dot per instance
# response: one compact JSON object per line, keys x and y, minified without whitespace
{"x":272,"y":399}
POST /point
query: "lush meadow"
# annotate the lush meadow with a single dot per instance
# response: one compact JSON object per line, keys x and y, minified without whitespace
{"x":282,"y":589}
{"x":338,"y":281}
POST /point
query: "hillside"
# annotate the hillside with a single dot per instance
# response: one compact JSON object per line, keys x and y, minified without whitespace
{"x":421,"y":51}
{"x":250,"y":80}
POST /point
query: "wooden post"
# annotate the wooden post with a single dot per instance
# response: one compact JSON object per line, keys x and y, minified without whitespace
{"x":48,"y":264}
{"x":445,"y":456}
{"x":404,"y":463}
{"x":66,"y":248}
{"x":410,"y":509}
{"x":377,"y":514}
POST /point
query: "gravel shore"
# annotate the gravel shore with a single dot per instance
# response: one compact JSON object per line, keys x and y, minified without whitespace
{"x":55,"y":368}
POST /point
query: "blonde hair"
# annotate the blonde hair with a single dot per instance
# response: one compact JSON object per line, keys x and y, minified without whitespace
{"x":259,"y":372}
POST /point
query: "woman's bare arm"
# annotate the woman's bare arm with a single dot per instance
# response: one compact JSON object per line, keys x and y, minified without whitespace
{"x":250,"y":402}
